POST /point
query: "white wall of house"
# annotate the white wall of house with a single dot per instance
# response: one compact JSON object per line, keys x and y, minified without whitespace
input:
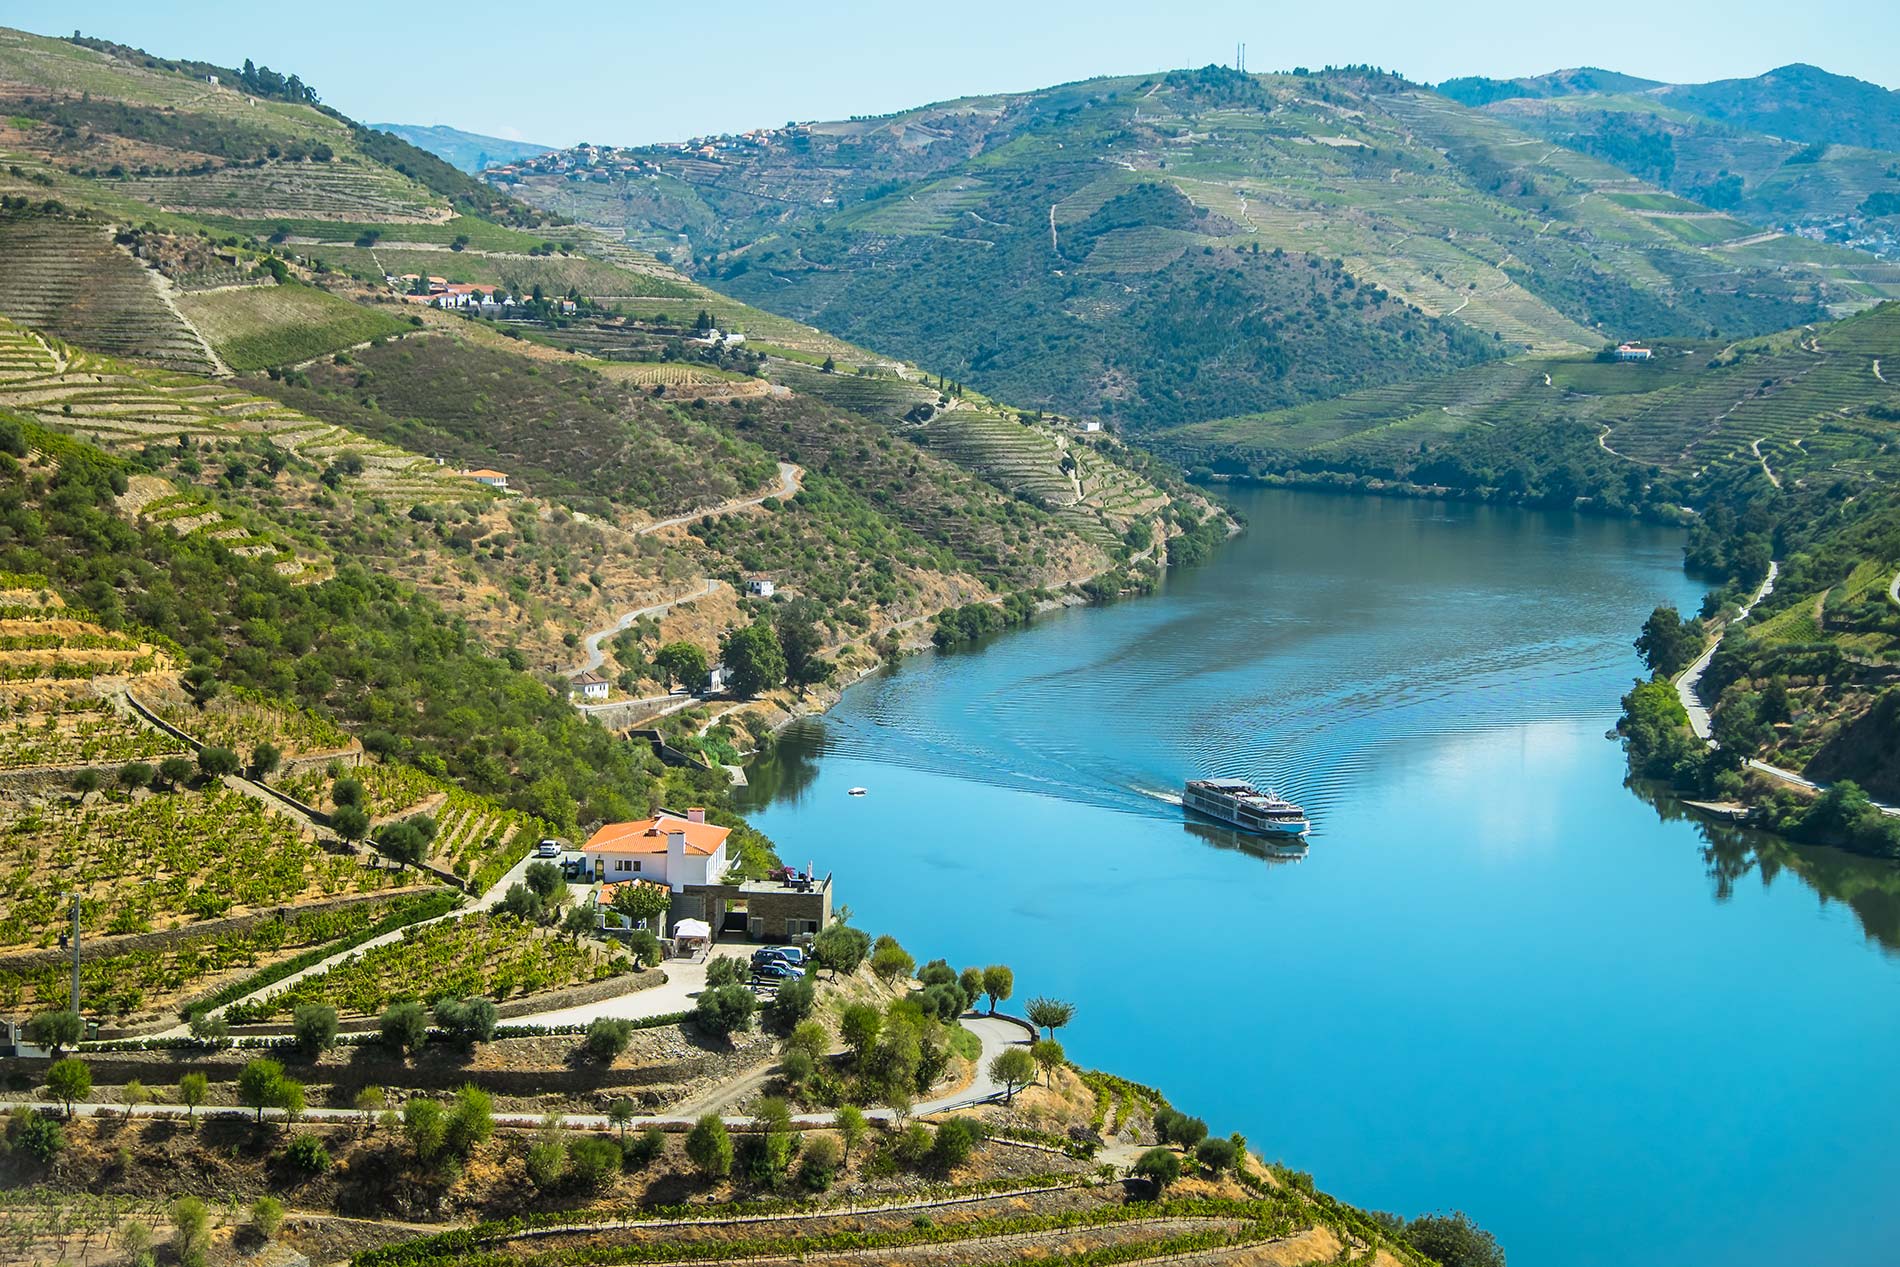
{"x":675,"y":871}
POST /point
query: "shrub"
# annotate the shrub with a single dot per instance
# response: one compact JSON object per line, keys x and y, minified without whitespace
{"x":191,"y":1092}
{"x":547,"y":1158}
{"x":797,"y":1066}
{"x":212,"y":1031}
{"x":1159,"y":1166}
{"x":643,"y":1149}
{"x":892,"y":963}
{"x":840,"y":948}
{"x":956,"y":1140}
{"x":912,"y":1145}
{"x":859,"y":1026}
{"x":314,"y":1027}
{"x":793,"y":1003}
{"x":608,"y":1036}
{"x":471,"y":1120}
{"x":644,"y":945}
{"x":404,"y":1027}
{"x":818,"y":1166}
{"x":709,"y":1147}
{"x":267,"y":1216}
{"x":724,"y":1010}
{"x":31,"y":1132}
{"x":725,"y":971}
{"x":594,"y":1161}
{"x":1175,"y":1127}
{"x":193,"y":1237}
{"x":307,"y":1153}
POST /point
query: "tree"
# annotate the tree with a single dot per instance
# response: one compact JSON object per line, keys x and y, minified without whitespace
{"x":709,"y":1147}
{"x":619,"y":1114}
{"x":426,"y":1128}
{"x":970,"y":983}
{"x":725,"y":970}
{"x":265,"y":758}
{"x":173,"y":771}
{"x":682,"y":662}
{"x":608,"y":1036}
{"x":724,"y":1010}
{"x":404,"y":1027}
{"x":1159,"y":1166}
{"x":1049,"y":1057}
{"x":31,"y":1132}
{"x":1014,"y":1067}
{"x":840,"y":948}
{"x":260,"y":1084}
{"x":998,"y":981}
{"x":369,"y":1102}
{"x":350,"y":822}
{"x":471,"y":1120}
{"x":69,"y":1080}
{"x":1049,"y":1015}
{"x":133,"y":1094}
{"x":193,"y":1224}
{"x":314,"y":1027}
{"x":1175,"y":1127}
{"x":191,"y":1092}
{"x":891,"y":962}
{"x":1668,"y":643}
{"x":754,"y":660}
{"x":136,"y":774}
{"x":639,"y":903}
{"x":57,"y":1030}
{"x":523,"y":903}
{"x":852,"y":1129}
{"x":801,"y":642}
{"x":216,"y":762}
{"x":212,"y":1031}
{"x":858,"y":1025}
{"x":469,"y":1021}
{"x":267,"y":1217}
{"x":1453,"y":1240}
{"x":547,"y":882}
{"x":1218,"y":1155}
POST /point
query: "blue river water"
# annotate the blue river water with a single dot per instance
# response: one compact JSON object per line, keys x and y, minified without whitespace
{"x":1500,"y":981}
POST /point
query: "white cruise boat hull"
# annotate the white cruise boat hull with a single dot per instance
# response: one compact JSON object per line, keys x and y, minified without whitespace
{"x":1235,"y":813}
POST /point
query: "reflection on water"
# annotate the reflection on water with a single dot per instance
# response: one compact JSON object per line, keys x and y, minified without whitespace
{"x":1869,"y":887}
{"x":1497,"y":981}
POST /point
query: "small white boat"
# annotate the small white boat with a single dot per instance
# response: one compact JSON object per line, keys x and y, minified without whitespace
{"x":856,"y":791}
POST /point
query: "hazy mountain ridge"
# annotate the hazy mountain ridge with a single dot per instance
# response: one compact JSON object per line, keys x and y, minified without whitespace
{"x":470,"y":151}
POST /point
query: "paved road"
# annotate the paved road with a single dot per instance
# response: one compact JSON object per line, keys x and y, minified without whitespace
{"x":596,"y":657}
{"x":789,"y":479}
{"x":1691,"y":677}
{"x":997,"y":1034}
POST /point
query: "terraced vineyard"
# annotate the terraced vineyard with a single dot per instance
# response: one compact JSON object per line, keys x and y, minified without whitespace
{"x":67,"y":277}
{"x":883,"y":396}
{"x":304,"y":190}
{"x":256,"y":327}
{"x":479,"y":954}
{"x":122,"y":406}
{"x":152,"y":977}
{"x":1807,"y":401}
{"x":240,"y":719}
{"x":157,"y":860}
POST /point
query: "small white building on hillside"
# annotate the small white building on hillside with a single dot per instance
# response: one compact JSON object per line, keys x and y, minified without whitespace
{"x":589,"y":686}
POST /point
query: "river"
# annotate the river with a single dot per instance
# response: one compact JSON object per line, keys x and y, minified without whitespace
{"x":1500,"y":981}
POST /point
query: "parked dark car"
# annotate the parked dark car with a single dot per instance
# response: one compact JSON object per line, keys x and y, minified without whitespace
{"x":775,"y":970}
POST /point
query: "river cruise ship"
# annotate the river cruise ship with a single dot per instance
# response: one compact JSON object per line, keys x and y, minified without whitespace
{"x":1241,"y":805}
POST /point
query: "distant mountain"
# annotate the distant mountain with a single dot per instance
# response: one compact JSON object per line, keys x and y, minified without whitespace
{"x":1799,"y":103}
{"x":1169,"y":248}
{"x":1795,"y":149}
{"x":470,"y":151}
{"x":1479,"y":90}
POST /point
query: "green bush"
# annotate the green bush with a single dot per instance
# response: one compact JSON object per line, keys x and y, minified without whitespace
{"x":607,"y":1038}
{"x":723,"y":1011}
{"x":594,"y":1161}
{"x":307,"y":1153}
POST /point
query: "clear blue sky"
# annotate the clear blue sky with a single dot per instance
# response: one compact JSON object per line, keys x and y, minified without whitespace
{"x":638,"y":71}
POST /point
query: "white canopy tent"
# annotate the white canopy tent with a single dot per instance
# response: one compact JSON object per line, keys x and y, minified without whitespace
{"x":692,"y":930}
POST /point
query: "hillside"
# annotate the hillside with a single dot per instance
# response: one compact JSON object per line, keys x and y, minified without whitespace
{"x":470,"y":151}
{"x":1795,"y":149}
{"x":1171,"y":248}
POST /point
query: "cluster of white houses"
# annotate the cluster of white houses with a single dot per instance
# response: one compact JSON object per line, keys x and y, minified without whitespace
{"x":685,"y":856}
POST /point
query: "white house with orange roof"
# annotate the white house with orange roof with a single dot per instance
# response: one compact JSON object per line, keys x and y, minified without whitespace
{"x":671,"y":849}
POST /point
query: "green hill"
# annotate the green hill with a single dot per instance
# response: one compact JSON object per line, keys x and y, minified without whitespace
{"x":1170,"y":248}
{"x":470,"y":151}
{"x":1794,"y":149}
{"x":1480,"y":90}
